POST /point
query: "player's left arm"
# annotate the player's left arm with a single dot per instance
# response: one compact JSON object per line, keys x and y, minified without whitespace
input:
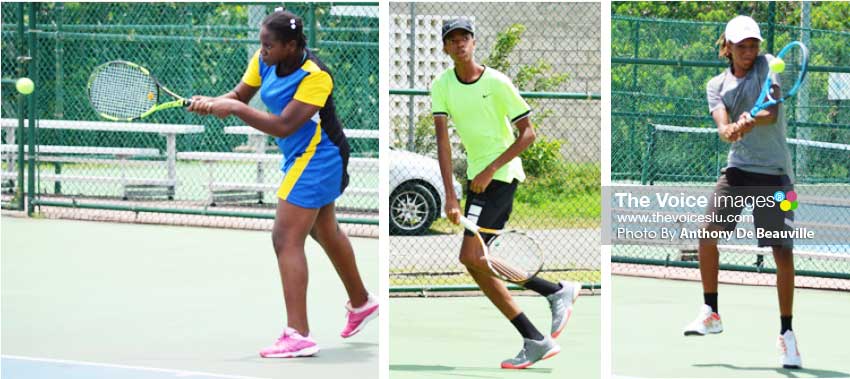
{"x":309,"y":98}
{"x":769,"y":115}
{"x":519,"y":112}
{"x":289,"y":121}
{"x":764,"y":117}
{"x":525,"y":138}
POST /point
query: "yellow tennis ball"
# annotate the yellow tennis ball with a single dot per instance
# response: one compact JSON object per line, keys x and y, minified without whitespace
{"x":777,"y":65}
{"x":25,"y":86}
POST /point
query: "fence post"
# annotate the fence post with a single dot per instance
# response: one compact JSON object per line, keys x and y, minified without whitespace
{"x":719,"y":157}
{"x":647,"y":161}
{"x":59,"y":108}
{"x":411,"y":124}
{"x":634,"y":148}
{"x":33,"y":74}
{"x":189,"y":55}
{"x":311,"y":19}
{"x":802,"y":109}
{"x":256,"y":14}
{"x":22,"y":71}
{"x":771,"y":23}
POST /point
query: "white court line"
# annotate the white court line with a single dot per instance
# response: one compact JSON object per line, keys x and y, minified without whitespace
{"x":153,"y":369}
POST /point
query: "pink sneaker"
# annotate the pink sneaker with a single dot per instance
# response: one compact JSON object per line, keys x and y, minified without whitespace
{"x":356,"y":318}
{"x":291,"y":345}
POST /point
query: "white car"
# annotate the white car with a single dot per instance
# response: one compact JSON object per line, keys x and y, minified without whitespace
{"x":417,"y":197}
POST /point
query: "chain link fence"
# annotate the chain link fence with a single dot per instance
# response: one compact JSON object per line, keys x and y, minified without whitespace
{"x":551,"y":52}
{"x":175,"y":166}
{"x":663,"y":55}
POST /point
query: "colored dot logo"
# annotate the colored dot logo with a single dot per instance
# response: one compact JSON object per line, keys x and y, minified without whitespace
{"x":787,"y":200}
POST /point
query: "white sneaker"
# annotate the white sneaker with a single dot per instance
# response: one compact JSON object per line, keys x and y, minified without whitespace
{"x":705,"y":323}
{"x":787,"y":345}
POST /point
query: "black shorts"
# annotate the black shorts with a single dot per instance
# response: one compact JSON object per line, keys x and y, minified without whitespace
{"x":735,"y":183}
{"x":492,"y":208}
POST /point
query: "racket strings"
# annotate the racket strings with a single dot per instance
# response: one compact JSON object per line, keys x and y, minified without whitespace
{"x":122,"y":91}
{"x":515,"y":256}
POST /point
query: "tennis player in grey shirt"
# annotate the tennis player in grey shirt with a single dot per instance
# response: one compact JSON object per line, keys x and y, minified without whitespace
{"x":761,"y":149}
{"x":759,"y":165}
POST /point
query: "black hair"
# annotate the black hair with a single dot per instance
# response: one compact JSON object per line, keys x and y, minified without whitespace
{"x":724,"y":51}
{"x":286,"y":27}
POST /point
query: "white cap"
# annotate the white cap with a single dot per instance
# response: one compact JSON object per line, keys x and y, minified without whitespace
{"x":741,"y":28}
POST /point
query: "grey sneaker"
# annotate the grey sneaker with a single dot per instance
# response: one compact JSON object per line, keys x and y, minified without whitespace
{"x":561,"y":305}
{"x":532,"y":351}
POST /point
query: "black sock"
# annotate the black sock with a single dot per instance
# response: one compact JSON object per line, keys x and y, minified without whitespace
{"x":786,"y":324}
{"x":526,"y":328}
{"x":542,"y":286}
{"x":711,"y":301}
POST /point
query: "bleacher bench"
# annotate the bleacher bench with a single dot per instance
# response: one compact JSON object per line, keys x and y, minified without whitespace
{"x":237,"y":191}
{"x":132,"y":187}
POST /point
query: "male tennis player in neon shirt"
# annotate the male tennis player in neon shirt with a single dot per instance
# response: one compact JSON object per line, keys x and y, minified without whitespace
{"x":483,"y":105}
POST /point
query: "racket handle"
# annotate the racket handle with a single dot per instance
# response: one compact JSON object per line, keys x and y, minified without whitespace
{"x":187,"y":102}
{"x":468,"y":224}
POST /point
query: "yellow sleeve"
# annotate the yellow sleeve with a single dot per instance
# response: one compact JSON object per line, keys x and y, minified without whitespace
{"x":252,"y":73}
{"x":315,"y":89}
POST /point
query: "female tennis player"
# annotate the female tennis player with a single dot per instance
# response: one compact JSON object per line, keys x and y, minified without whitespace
{"x":484,"y":104}
{"x":759,"y":164}
{"x":297,"y":89}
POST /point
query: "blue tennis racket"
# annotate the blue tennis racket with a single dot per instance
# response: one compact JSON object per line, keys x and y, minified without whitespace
{"x":796,"y":58}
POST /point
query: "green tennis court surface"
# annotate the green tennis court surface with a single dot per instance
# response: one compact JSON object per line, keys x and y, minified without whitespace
{"x":649,"y":314}
{"x":467,"y":337}
{"x":101,"y":300}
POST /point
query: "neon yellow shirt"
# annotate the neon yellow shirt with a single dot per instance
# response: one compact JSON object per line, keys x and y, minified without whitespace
{"x":482,"y":113}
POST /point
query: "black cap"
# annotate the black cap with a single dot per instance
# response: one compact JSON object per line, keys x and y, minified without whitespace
{"x":455,"y":24}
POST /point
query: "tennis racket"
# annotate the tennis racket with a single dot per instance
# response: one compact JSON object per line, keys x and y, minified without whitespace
{"x":796,"y":57}
{"x":125,"y":91}
{"x":511,"y":255}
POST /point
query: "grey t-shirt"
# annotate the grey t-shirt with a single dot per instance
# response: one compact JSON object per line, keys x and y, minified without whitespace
{"x":764,"y":149}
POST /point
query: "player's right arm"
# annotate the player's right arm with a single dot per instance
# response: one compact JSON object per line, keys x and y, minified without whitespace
{"x":444,"y":156}
{"x":250,"y":83}
{"x":729,"y":131}
{"x":440,"y":110}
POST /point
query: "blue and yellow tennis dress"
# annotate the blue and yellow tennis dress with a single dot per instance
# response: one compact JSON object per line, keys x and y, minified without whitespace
{"x":315,"y":157}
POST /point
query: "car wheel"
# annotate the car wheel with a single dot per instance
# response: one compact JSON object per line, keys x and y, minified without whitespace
{"x":412,"y":209}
